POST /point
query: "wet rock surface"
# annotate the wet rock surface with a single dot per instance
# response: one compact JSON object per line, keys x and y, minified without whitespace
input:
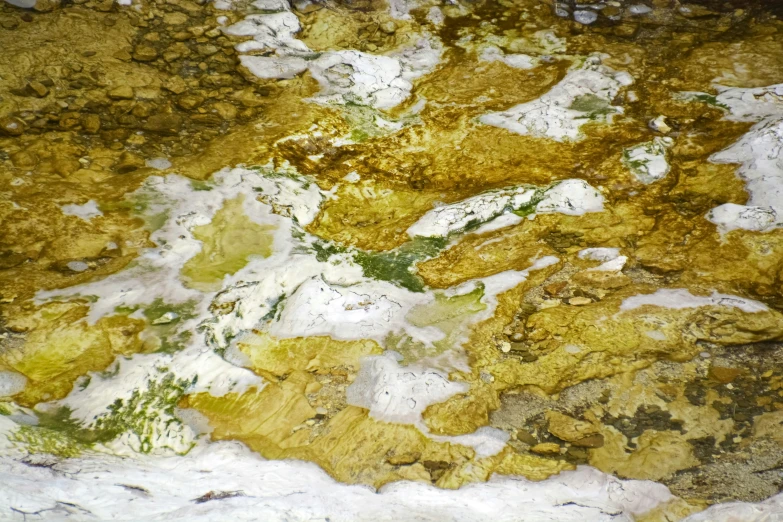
{"x":405,"y":241}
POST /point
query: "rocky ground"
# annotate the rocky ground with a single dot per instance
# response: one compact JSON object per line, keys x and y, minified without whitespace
{"x":442,"y":243}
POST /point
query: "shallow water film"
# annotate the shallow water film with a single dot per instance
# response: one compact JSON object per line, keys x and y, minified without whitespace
{"x":391,"y":260}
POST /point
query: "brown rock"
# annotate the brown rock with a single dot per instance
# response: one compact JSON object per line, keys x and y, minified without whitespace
{"x":225,"y":110}
{"x":626,"y":29}
{"x":124,"y":55}
{"x":403,"y":459}
{"x":555,"y":288}
{"x":313,"y":387}
{"x":24,"y":159}
{"x":142,"y":110}
{"x":176,"y":85}
{"x":177,"y":51}
{"x":696,"y":11}
{"x":10,"y":24}
{"x":247,"y":114}
{"x":128,"y":162}
{"x":91,"y":123}
{"x":175,"y":18}
{"x":12,"y":126}
{"x":526,"y":437}
{"x":604,"y":279}
{"x":207,"y":119}
{"x":248,"y":98}
{"x":104,"y":6}
{"x":593,"y":441}
{"x":122,"y":92}
{"x":769,"y":425}
{"x":546,"y":448}
{"x":144,"y":53}
{"x":572,"y":430}
{"x":190,"y":101}
{"x":37,"y":89}
{"x":164,"y":123}
{"x":43,"y":6}
{"x":207,"y":50}
{"x":724,"y":374}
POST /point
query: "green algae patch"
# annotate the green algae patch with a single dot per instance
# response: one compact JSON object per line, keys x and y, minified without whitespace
{"x":141,"y":413}
{"x":164,"y":320}
{"x":229,"y":242}
{"x":592,"y":106}
{"x":366,"y":122}
{"x":146,"y":203}
{"x":56,"y":433}
{"x":45,"y":440}
{"x":702,"y":97}
{"x":397,"y":266}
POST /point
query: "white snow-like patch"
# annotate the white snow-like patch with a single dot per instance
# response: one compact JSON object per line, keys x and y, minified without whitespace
{"x":379,"y":81}
{"x":11,"y":383}
{"x":758,"y":152}
{"x":770,"y":510}
{"x":731,"y":216}
{"x":357,"y":77}
{"x":398,"y":394}
{"x":447,"y":219}
{"x":572,"y":197}
{"x":268,"y":67}
{"x":158,"y":163}
{"x":106,"y":487}
{"x":347,"y":76}
{"x":743,"y":104}
{"x":761,"y":168}
{"x":680,"y":298}
{"x":613,"y":265}
{"x":584,"y":95}
{"x":435,"y":16}
{"x":647,"y":161}
{"x":362,"y":311}
{"x":517,"y":61}
{"x":599,"y":254}
{"x":87,"y":211}
{"x":352,"y":177}
{"x":270,"y":32}
{"x":611,"y":260}
{"x":502,"y":221}
{"x":24,"y":4}
{"x":162,"y":433}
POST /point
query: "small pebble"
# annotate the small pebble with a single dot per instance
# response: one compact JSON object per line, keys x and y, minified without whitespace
{"x":77,"y":266}
{"x":585,"y":17}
